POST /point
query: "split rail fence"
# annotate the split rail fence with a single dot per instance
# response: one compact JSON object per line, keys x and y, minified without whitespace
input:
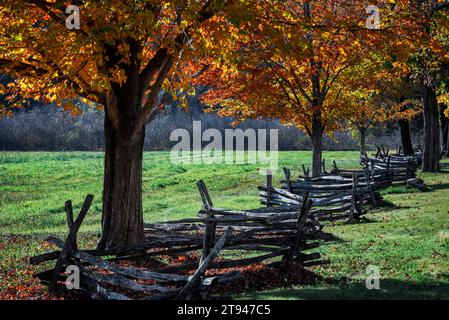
{"x":334,"y":197}
{"x":278,"y":237}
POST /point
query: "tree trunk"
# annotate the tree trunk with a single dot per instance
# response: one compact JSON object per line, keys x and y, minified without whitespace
{"x":444,"y":129}
{"x":129,"y":106}
{"x":317,"y":146}
{"x":362,"y":132}
{"x":122,"y":220}
{"x":431,"y":158}
{"x":406,"y":140}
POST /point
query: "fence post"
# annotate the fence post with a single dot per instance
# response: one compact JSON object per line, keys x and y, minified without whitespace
{"x":353,"y":198}
{"x":269,"y":186}
{"x":209,"y":233}
{"x":302,"y":218}
{"x":196,"y":278}
{"x":410,"y":169}
{"x":70,"y":243}
{"x":304,"y":172}
{"x":287,"y":174}
{"x":373,"y":168}
{"x":70,"y":219}
{"x":370,"y":187}
{"x":377,"y":153}
{"x":335,"y":170}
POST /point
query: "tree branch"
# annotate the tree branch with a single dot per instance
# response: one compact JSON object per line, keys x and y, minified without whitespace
{"x":44,"y":6}
{"x":162,"y":62}
{"x":153,"y":66}
{"x":22,"y":68}
{"x":149,"y":109}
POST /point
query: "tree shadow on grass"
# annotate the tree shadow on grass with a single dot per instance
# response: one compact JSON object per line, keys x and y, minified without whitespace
{"x":332,"y":239}
{"x":441,"y":186}
{"x":444,"y":165}
{"x":390,"y":289}
{"x":386,"y":206}
{"x":363,"y":220}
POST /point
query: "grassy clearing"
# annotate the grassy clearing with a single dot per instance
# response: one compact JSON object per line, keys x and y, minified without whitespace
{"x":408,"y":241}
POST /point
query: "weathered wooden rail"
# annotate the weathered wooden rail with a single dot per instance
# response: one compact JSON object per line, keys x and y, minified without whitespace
{"x":402,"y":169}
{"x":380,"y":178}
{"x":334,"y":197}
{"x":279,"y":237}
{"x":399,"y":156}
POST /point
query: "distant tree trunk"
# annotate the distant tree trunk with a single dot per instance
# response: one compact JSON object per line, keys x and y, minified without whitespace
{"x":317,"y":144}
{"x":317,"y":130}
{"x":406,"y":140}
{"x":444,"y":129}
{"x":362,"y":133}
{"x":431,"y":158}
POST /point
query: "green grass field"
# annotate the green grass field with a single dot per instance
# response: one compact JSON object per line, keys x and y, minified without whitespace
{"x":408,"y":241}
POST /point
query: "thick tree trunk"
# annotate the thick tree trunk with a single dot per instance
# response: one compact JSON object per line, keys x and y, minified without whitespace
{"x":317,"y":146}
{"x":406,"y":140}
{"x":444,"y":129}
{"x":129,"y":106}
{"x":362,"y":133}
{"x":431,"y":158}
{"x":122,"y":220}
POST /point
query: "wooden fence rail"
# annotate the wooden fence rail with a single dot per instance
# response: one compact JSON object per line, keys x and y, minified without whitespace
{"x":402,"y":169}
{"x":417,"y":157}
{"x":334,"y":197}
{"x":265,"y":233}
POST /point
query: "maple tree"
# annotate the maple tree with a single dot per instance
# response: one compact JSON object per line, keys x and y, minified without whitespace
{"x":380,"y":110}
{"x":122,"y":57}
{"x":389,"y":96}
{"x":421,"y":63}
{"x":368,"y":110}
{"x":297,"y":63}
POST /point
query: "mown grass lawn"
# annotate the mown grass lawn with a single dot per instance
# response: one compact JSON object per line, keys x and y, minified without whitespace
{"x":409,"y":241}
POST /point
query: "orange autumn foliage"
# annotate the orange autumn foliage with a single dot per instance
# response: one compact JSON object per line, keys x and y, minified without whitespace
{"x":296,"y":64}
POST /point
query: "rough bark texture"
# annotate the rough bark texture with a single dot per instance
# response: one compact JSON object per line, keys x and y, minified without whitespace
{"x":406,"y":140}
{"x":126,"y":115}
{"x":362,"y":133}
{"x":444,"y":129}
{"x":431,"y":158}
{"x":317,"y":145}
{"x":122,"y":189}
{"x":122,"y":219}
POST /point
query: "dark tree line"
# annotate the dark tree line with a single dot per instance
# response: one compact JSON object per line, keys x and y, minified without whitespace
{"x":49,"y":128}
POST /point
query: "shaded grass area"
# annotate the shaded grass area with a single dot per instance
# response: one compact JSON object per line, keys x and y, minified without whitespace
{"x":408,"y":240}
{"x":391,"y":289}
